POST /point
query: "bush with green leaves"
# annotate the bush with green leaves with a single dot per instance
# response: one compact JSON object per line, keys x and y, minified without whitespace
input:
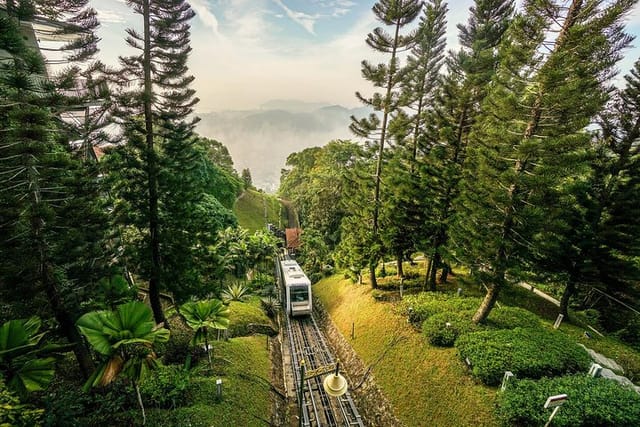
{"x":17,"y":414}
{"x":166,"y":387}
{"x":593,"y":402}
{"x":424,"y":305}
{"x":67,"y":405}
{"x":179,"y":350}
{"x":528,"y":353}
{"x":442,"y":329}
{"x":506,"y":317}
{"x":270,"y":305}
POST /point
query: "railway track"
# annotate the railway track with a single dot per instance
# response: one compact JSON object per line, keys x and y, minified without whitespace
{"x":319,"y":409}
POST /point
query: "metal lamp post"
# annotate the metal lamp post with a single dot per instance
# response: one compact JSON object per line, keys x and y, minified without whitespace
{"x":335,"y":384}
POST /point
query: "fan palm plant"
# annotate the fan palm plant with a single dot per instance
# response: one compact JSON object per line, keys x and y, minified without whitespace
{"x":126,"y":338}
{"x":201,"y":316}
{"x":21,"y":356}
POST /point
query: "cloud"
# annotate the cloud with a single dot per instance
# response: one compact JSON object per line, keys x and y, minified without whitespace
{"x":205,"y":15}
{"x":108,"y":16}
{"x":303,"y":19}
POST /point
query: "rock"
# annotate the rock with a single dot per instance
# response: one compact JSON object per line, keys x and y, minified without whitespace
{"x":603,"y":361}
{"x":609,"y":374}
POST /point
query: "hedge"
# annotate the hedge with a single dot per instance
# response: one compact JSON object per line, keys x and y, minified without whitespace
{"x":591,"y":402}
{"x":528,"y":353}
{"x":506,"y":317}
{"x":424,"y":305}
{"x":443,"y":329}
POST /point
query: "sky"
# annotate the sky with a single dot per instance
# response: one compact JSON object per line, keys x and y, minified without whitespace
{"x":247,"y":52}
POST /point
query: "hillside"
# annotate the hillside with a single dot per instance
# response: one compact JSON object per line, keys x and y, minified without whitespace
{"x":255,"y":210}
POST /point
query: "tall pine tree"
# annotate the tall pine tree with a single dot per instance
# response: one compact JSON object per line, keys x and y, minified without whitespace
{"x":528,"y":139}
{"x":395,"y":14}
{"x":155,"y":115}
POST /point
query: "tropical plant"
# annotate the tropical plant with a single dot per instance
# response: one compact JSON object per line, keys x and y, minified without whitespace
{"x":270,"y":305}
{"x":235,"y":292}
{"x":21,"y":356}
{"x":125,"y":337}
{"x":201,"y":316}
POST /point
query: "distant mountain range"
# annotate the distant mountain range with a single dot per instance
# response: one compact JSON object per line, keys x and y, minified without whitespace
{"x":262,"y":139}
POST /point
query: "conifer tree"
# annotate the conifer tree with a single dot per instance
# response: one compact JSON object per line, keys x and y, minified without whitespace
{"x":596,"y":244}
{"x":458,"y":100}
{"x":50,"y":224}
{"x":155,"y":115}
{"x":395,"y":14}
{"x":532,"y":129}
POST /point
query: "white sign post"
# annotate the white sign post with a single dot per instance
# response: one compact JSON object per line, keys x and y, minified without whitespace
{"x":505,"y":379}
{"x":556,"y":325}
{"x":554,"y":402}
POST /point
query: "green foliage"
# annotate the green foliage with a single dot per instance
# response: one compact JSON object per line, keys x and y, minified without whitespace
{"x":270,"y":305}
{"x":204,"y":315}
{"x":167,"y":387}
{"x":67,"y":405}
{"x":235,"y":292}
{"x":179,"y":350}
{"x":125,"y":337}
{"x":13,"y":413}
{"x":442,"y":329}
{"x":593,"y":402}
{"x":23,"y":361}
{"x":249,"y":208}
{"x":245,"y":313}
{"x":528,"y":353}
{"x":423,"y":305}
{"x":505,"y":317}
{"x":245,"y":399}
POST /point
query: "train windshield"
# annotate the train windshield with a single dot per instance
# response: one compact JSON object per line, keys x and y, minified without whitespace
{"x":299,"y":293}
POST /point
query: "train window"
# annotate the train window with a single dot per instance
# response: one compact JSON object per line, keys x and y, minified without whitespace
{"x":299,"y":294}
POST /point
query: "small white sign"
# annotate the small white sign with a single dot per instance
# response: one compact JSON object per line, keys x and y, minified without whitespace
{"x":557,"y":400}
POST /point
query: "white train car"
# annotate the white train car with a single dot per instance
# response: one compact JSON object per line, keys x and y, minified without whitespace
{"x":297,"y":288}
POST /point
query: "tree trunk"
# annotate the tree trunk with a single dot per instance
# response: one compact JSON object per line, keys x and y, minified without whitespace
{"x":152,"y":177}
{"x":372,"y":276}
{"x":139,"y":396}
{"x":428,"y":265}
{"x":399,"y":266}
{"x":569,"y":290}
{"x":487,"y":303}
{"x":435,"y":262}
{"x":206,"y":344}
{"x":445,"y":273}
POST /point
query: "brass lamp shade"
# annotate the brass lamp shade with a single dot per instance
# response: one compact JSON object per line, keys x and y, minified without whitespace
{"x":335,"y":385}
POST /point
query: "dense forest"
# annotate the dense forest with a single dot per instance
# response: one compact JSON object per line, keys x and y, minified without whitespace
{"x":514,"y":158}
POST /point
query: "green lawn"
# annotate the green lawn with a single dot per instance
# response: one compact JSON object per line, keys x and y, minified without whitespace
{"x":427,"y":386}
{"x":250,"y":210}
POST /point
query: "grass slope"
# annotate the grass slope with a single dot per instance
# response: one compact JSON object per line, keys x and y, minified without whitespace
{"x":427,"y":386}
{"x":250,"y":210}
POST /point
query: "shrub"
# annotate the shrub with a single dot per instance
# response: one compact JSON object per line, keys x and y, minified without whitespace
{"x":270,"y":305}
{"x":424,"y":305}
{"x":243,"y":314}
{"x":67,"y":405}
{"x":591,"y":402}
{"x":528,"y":353}
{"x":443,"y":329}
{"x":506,"y":317}
{"x":177,"y":350}
{"x":14,"y":413}
{"x":166,"y":387}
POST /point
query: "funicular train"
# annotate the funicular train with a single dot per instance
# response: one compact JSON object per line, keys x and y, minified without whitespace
{"x":296,"y":288}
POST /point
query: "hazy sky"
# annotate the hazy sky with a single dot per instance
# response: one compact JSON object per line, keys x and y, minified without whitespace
{"x":246,"y":52}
